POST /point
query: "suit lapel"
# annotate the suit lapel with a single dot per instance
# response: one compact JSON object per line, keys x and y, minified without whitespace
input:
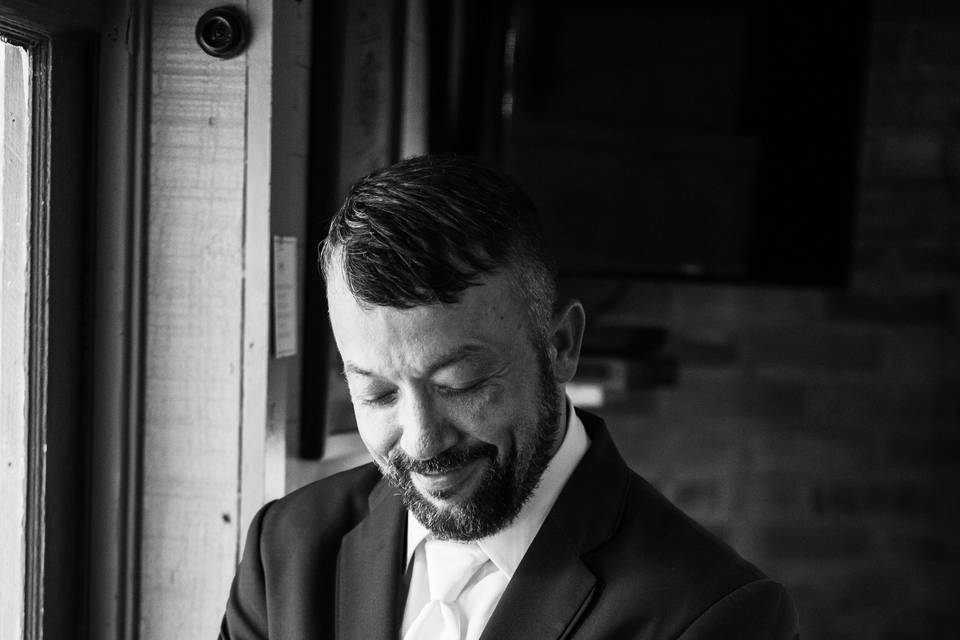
{"x":553,"y":587}
{"x":370,"y":571}
{"x":547,"y":594}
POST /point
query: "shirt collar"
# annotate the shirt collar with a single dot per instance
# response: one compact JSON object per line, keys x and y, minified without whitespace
{"x":507,"y":547}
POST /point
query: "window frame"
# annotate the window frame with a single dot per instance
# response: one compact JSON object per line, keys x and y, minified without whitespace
{"x":15,"y":366}
{"x":64,"y":47}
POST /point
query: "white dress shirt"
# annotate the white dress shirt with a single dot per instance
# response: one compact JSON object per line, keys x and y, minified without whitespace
{"x":505,"y":548}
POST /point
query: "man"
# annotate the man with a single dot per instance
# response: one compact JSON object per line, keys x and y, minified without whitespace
{"x":493,"y":508}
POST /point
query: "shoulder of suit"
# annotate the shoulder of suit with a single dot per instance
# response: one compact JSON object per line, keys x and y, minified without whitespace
{"x":680,"y":541}
{"x":651,"y":527}
{"x":333,"y":505}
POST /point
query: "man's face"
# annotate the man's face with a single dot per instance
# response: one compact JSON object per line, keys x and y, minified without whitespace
{"x":455,"y":402}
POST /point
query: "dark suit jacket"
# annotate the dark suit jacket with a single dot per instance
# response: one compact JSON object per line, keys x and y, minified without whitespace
{"x":613,"y":559}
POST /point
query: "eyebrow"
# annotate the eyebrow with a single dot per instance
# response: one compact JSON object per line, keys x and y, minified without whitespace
{"x":461,"y":353}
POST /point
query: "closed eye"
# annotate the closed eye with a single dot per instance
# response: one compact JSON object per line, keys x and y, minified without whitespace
{"x":381,"y":400}
{"x":453,"y":391}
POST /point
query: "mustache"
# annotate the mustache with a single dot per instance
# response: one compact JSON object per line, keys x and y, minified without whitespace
{"x":447,"y":461}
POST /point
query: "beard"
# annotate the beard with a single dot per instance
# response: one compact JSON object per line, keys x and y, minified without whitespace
{"x":505,"y":486}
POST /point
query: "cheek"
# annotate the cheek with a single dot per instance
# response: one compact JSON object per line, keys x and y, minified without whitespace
{"x":481,"y":407}
{"x":480,"y":413}
{"x":496,"y":416}
{"x":376,"y":433}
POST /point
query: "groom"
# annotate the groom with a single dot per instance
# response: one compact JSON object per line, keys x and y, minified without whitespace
{"x":493,"y":508}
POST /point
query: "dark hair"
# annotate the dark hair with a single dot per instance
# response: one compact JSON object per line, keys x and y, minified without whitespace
{"x":423,"y":230}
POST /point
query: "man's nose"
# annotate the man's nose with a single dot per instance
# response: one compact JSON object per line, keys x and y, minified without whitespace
{"x":425,"y":431}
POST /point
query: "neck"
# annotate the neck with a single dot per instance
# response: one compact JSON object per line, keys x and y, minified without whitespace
{"x":564,"y":419}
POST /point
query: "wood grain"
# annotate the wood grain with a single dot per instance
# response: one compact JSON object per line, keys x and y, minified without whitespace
{"x":289,"y":180}
{"x":14,"y":273}
{"x":368,"y":90}
{"x":227,"y":172}
{"x":194,"y":329}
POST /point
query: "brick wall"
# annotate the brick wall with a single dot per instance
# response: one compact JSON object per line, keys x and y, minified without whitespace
{"x":819,"y":432}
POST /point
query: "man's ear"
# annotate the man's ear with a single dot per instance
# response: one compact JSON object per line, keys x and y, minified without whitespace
{"x":566,"y":338}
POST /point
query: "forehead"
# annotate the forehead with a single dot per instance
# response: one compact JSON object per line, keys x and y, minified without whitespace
{"x":489,"y":317}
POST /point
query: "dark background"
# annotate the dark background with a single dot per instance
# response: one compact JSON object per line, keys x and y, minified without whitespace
{"x":810,"y":417}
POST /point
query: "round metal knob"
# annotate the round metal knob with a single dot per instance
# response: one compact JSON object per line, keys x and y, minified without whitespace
{"x":222,"y":32}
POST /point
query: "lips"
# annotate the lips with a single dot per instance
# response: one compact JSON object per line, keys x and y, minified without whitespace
{"x":445,"y":484}
{"x":456,"y":471}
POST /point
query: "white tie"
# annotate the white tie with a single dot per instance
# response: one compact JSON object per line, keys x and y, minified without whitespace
{"x":450,"y":566}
